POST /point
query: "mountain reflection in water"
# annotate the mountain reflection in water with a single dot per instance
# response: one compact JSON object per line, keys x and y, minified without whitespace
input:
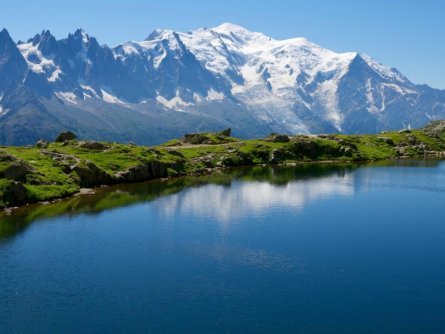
{"x":257,"y":188}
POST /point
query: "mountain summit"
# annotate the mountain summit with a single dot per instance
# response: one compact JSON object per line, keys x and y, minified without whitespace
{"x":203,"y":80}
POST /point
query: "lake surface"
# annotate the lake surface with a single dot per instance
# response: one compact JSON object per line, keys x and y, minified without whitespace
{"x":309,"y":249}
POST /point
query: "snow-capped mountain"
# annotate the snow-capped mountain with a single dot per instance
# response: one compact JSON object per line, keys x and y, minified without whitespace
{"x":207,"y":79}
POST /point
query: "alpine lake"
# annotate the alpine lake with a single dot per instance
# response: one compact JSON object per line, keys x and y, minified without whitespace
{"x":317,"y":248}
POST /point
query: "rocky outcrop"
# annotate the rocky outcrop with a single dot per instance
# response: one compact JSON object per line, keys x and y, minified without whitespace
{"x":225,"y":133}
{"x":90,"y":175}
{"x":277,"y":138}
{"x":42,"y":143}
{"x":17,"y":171}
{"x":93,"y":145}
{"x":146,"y":171}
{"x":436,"y":129}
{"x":14,"y":194}
{"x":196,"y":139}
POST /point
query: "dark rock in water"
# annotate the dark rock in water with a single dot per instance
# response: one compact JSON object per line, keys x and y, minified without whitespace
{"x":225,"y":133}
{"x":65,"y":136}
{"x":93,"y":145}
{"x":278,"y":138}
{"x":42,"y":143}
{"x":90,"y":175}
{"x":145,"y":171}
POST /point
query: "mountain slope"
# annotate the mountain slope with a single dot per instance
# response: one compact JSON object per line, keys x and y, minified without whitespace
{"x":172,"y":83}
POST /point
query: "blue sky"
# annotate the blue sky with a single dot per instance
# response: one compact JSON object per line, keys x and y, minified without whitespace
{"x":406,"y":34}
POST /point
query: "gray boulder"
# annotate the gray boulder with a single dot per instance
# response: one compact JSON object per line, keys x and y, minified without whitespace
{"x":42,"y":143}
{"x":17,"y":171}
{"x":15,"y":194}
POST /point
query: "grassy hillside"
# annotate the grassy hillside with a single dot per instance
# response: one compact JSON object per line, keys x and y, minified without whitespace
{"x":53,"y":170}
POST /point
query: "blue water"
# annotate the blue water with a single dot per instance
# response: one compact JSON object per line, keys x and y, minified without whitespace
{"x":286,"y":250}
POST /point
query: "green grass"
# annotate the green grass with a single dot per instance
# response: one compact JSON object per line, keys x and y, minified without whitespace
{"x":51,"y":175}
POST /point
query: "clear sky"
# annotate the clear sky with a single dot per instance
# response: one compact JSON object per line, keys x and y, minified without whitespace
{"x":406,"y":34}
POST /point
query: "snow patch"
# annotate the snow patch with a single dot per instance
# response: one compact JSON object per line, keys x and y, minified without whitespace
{"x":400,"y":89}
{"x":372,"y":108}
{"x":67,"y":96}
{"x":214,"y":95}
{"x":174,"y":103}
{"x":383,"y":70}
{"x":129,"y":48}
{"x":197,"y":98}
{"x":327,"y":93}
{"x":55,"y":75}
{"x":3,"y":111}
{"x":38,"y":63}
{"x":158,"y":60}
{"x":107,"y":97}
{"x":89,"y":92}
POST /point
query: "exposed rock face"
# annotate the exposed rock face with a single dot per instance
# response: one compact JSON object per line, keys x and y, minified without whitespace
{"x":65,"y":136}
{"x":17,"y":171}
{"x":15,"y":194}
{"x":90,"y":175}
{"x":196,"y":139}
{"x":153,"y":90}
{"x":226,"y":132}
{"x":307,"y":148}
{"x":146,"y":171}
{"x":436,"y":128}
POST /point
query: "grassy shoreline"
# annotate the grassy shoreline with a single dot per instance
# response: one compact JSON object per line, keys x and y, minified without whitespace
{"x":50,"y":171}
